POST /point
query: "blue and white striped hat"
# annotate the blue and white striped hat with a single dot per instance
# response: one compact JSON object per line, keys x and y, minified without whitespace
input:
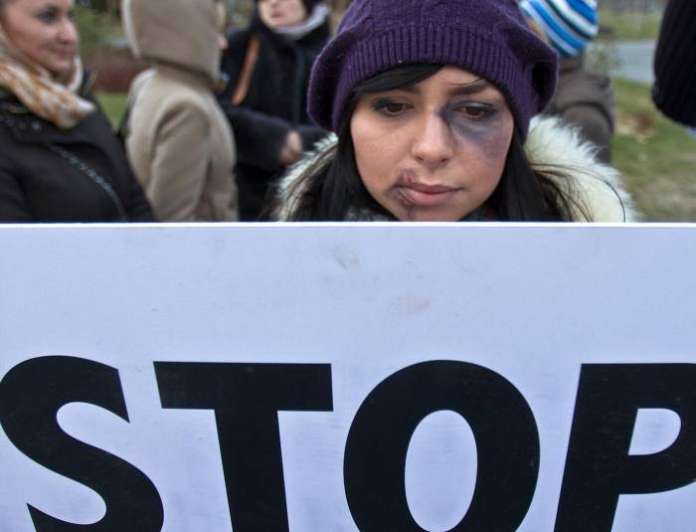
{"x":569,"y":24}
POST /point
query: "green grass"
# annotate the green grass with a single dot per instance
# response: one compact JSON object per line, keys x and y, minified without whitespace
{"x":113,"y":105}
{"x":656,"y":156}
{"x":630,"y":25}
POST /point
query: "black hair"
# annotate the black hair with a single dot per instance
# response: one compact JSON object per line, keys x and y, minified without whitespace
{"x":332,"y":186}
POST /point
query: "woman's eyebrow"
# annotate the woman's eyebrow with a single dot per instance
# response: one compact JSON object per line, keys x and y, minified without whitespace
{"x":473,"y":87}
{"x":478,"y":85}
{"x":48,"y":6}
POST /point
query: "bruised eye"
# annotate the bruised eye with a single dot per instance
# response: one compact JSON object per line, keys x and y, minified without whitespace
{"x":475,"y":110}
{"x":389,"y":108}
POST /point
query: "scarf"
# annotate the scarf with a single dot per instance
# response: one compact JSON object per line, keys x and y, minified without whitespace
{"x":39,"y":91}
{"x":318,"y":17}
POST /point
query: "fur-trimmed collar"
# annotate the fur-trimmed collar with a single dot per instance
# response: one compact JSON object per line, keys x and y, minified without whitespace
{"x":553,"y":148}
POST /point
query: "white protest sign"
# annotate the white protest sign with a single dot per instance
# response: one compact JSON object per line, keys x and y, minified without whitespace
{"x":348,"y":377}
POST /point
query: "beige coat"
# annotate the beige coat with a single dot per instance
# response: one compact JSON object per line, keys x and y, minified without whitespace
{"x":178,"y":140}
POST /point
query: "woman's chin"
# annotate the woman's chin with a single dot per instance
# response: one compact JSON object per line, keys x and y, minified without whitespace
{"x":415,"y":214}
{"x":60,"y":65}
{"x":61,"y":71}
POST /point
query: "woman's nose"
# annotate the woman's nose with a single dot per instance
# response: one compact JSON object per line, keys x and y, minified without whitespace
{"x":433,"y":145}
{"x":68,"y":32}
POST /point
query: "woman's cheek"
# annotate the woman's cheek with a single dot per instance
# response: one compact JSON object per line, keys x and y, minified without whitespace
{"x":376,"y":160}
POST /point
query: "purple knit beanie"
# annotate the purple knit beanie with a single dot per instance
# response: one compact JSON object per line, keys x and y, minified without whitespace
{"x":489,"y":38}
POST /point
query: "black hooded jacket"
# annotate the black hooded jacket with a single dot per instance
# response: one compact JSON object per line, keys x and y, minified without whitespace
{"x":275,"y":104}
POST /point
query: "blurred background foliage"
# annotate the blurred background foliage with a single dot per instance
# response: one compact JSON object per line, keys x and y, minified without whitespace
{"x":97,"y":28}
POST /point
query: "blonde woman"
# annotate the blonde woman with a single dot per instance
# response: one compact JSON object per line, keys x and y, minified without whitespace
{"x":60,"y":160}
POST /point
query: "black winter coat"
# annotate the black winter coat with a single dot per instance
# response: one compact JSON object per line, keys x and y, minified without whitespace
{"x":275,"y":104}
{"x":52,"y":175}
{"x":674,"y":90}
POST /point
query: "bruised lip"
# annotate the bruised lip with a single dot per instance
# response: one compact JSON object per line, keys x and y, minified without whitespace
{"x":423,"y":194}
{"x":424,"y":188}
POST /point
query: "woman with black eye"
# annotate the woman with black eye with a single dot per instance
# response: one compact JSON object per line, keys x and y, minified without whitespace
{"x":60,"y":160}
{"x":432,"y":103}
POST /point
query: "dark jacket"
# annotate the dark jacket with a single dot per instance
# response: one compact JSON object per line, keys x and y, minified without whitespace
{"x":585,"y":100}
{"x":53,"y":175}
{"x":274,"y":104}
{"x":674,"y":91}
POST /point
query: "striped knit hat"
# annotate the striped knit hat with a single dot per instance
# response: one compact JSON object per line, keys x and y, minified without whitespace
{"x":569,"y":24}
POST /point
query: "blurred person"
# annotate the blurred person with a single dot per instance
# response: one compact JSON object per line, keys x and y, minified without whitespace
{"x":268,"y":65}
{"x":60,"y":160}
{"x":177,"y":137}
{"x":674,"y":90}
{"x":582,"y":98}
{"x":432,"y":112}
